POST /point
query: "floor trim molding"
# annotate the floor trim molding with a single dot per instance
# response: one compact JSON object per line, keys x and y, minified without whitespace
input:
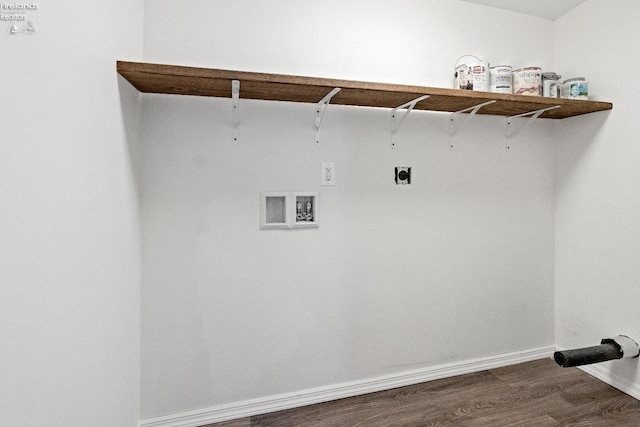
{"x":339,"y":391}
{"x":613,"y":380}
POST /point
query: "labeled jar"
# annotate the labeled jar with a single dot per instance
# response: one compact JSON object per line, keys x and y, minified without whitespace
{"x":575,"y":88}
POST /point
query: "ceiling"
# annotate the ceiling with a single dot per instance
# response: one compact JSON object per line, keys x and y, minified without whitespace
{"x":550,"y":9}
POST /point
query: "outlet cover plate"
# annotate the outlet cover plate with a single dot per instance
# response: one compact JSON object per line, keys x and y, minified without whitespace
{"x":328,"y":176}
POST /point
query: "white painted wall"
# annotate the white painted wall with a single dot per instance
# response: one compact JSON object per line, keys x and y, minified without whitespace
{"x":411,"y":42}
{"x":69,"y":257}
{"x":458,"y":265}
{"x":597,"y":203}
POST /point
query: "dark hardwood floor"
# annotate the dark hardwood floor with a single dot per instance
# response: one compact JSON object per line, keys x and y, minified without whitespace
{"x":538,"y":393}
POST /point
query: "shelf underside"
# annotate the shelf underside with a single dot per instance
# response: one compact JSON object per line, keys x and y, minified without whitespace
{"x":180,"y":80}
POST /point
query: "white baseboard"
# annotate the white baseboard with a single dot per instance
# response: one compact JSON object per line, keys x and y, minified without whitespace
{"x":613,"y":380}
{"x":339,"y":391}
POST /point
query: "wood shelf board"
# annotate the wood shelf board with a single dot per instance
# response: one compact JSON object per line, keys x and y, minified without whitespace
{"x":180,"y":80}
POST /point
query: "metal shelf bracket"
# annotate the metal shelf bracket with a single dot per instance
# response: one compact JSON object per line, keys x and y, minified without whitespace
{"x":321,"y":107}
{"x":395,"y":124}
{"x":235,"y":96}
{"x":474,"y":109}
{"x":534,"y":115}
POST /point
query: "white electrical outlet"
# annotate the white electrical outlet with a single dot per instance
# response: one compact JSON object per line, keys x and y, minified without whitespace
{"x":328,"y":176}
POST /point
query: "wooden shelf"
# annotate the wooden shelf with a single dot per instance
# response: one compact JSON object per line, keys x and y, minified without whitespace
{"x":180,"y":80}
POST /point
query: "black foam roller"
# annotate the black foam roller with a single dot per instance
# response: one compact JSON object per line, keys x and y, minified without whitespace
{"x":608,"y":350}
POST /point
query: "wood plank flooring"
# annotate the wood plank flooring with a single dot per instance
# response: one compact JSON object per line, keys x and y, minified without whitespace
{"x":536,"y":394}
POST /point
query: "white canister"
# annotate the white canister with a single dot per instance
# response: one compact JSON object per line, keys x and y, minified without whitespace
{"x":576,"y":88}
{"x":472,"y":76}
{"x":527,"y":81}
{"x":501,"y":79}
